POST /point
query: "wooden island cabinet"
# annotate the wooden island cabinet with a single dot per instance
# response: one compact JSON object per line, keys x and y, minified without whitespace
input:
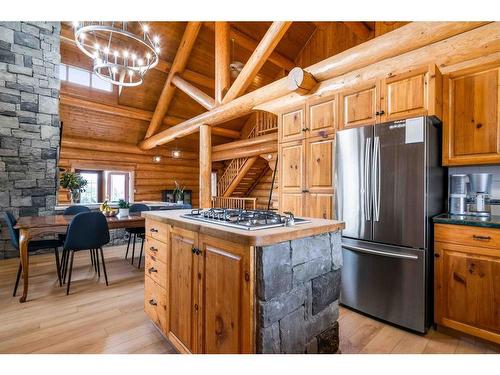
{"x":467,"y":279}
{"x":214,"y":289}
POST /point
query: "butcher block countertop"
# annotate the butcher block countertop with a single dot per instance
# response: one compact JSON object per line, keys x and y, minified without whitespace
{"x":261,"y":237}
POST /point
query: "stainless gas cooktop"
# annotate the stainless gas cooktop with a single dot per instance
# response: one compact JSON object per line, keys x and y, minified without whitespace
{"x":244,"y":219}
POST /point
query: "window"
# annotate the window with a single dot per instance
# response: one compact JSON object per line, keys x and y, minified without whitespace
{"x":117,"y":186}
{"x":83,"y":77}
{"x":93,"y":190}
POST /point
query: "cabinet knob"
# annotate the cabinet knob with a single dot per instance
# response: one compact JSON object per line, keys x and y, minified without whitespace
{"x":305,"y":129}
{"x":152,"y":270}
{"x":381,"y":112}
{"x":481,"y":238}
{"x":436,"y":255}
{"x":153,"y":230}
{"x":153,"y":302}
{"x":152,"y":248}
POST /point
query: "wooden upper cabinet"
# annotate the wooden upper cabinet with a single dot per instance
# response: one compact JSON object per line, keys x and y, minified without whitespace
{"x":322,"y":117}
{"x":359,"y":106}
{"x":405,"y":95}
{"x":182,"y":290}
{"x":471,"y":118}
{"x":320,"y":163}
{"x":292,"y":125}
{"x":227,"y":284}
{"x":292,"y":166}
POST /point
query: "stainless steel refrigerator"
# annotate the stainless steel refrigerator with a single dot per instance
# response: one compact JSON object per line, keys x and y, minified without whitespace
{"x":389,"y":184}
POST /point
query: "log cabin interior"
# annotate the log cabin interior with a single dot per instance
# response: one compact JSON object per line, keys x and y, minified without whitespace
{"x":244,"y":187}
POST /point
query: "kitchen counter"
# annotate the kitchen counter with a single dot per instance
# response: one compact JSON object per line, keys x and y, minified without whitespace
{"x":216,"y":289}
{"x":492,"y":221}
{"x":259,"y":237}
{"x":151,"y":204}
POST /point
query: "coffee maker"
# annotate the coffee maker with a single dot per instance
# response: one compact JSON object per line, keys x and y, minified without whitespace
{"x":479,"y":194}
{"x":458,"y":194}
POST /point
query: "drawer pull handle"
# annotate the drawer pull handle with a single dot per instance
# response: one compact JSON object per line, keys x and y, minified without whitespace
{"x":152,"y":248}
{"x":153,"y":230}
{"x":153,"y":302}
{"x":152,"y":269}
{"x":481,"y":238}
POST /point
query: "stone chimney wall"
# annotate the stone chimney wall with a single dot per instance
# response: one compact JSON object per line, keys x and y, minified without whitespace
{"x":29,"y":120}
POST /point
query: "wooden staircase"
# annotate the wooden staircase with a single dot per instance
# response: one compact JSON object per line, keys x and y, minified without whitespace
{"x":242,"y":175}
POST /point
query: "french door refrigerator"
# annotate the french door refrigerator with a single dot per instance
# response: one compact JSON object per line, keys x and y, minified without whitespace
{"x":389,"y":184}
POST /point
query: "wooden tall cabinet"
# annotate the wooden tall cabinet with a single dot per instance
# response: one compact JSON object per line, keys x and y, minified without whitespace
{"x":467,"y":280}
{"x":307,"y":162}
{"x":186,"y":278}
{"x":472,"y":117}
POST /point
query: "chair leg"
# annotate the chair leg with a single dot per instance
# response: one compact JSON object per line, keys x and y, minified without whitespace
{"x":104,"y":267}
{"x":97,"y":262}
{"x":94,"y":255}
{"x":140,"y":256}
{"x":128,"y":244}
{"x":91,"y":257}
{"x":17,"y":279}
{"x":64,"y":264}
{"x":70,"y":271}
{"x":133,"y":251}
{"x":58,"y":265}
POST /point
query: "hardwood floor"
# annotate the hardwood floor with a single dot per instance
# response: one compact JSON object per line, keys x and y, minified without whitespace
{"x":361,"y":334}
{"x":99,"y":319}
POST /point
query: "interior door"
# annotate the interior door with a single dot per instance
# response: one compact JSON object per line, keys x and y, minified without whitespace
{"x":353,"y":152}
{"x":398,"y":183}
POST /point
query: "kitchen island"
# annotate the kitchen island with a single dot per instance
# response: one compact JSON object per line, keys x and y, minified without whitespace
{"x":215,"y":289}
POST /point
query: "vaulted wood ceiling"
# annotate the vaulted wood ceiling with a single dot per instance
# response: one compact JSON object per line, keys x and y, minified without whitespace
{"x":200,"y":65}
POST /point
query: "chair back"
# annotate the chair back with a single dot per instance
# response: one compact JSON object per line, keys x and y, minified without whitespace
{"x":138,"y":207}
{"x":73,"y":210}
{"x":14,"y":233}
{"x":87,"y":230}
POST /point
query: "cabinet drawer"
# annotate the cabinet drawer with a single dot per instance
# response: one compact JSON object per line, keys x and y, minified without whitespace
{"x":155,"y":303}
{"x":156,"y":249}
{"x":467,"y":236}
{"x":156,"y":270}
{"x":157,"y":230}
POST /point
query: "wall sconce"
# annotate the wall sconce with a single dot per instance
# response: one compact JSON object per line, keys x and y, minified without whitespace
{"x":157,"y":158}
{"x":176,"y":154}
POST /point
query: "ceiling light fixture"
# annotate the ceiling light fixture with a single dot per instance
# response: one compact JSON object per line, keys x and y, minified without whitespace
{"x":157,"y":158}
{"x":118,"y":36}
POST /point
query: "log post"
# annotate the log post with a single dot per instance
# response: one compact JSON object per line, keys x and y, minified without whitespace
{"x":205,"y":166}
{"x":222,"y":60}
{"x":194,"y":92}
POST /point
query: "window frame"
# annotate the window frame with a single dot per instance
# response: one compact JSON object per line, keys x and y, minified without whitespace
{"x":109,"y":174}
{"x":92,"y":78}
{"x":100,"y":181}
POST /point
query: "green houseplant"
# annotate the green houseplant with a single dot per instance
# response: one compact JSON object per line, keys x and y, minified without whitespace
{"x":75,"y":183}
{"x":123,"y":208}
{"x":179,"y":193}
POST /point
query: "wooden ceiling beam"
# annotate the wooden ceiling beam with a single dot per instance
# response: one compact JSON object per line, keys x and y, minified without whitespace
{"x":138,"y":114}
{"x":193,"y":92}
{"x":178,"y":66}
{"x":273,"y":137}
{"x":360,"y":29}
{"x":297,"y":81}
{"x":250,"y":44}
{"x":245,"y":152}
{"x":259,"y":56}
{"x":222,"y":60}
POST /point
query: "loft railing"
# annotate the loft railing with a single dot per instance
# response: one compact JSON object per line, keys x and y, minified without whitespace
{"x":234,"y":202}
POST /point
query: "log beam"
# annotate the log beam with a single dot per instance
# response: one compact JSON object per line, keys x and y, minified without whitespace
{"x":296,"y":81}
{"x":241,"y":174}
{"x":205,"y":200}
{"x":246,"y":152}
{"x":273,"y":137}
{"x":180,"y":61}
{"x":222,"y":60}
{"x":266,"y":46}
{"x":135,"y":113}
{"x":193,"y":92}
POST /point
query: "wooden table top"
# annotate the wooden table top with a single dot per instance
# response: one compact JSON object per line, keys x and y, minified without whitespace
{"x":29,"y":222}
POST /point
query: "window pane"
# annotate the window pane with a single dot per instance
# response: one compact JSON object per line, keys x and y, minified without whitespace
{"x":117,"y":189}
{"x":98,"y":83}
{"x":62,"y":72}
{"x":91,"y":193}
{"x":78,"y":76}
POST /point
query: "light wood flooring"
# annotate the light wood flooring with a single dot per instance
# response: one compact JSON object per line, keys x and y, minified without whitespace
{"x":99,"y":319}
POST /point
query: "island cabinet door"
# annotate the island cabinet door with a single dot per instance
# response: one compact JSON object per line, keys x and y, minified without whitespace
{"x":467,"y":289}
{"x":227,"y":315}
{"x":182,"y":289}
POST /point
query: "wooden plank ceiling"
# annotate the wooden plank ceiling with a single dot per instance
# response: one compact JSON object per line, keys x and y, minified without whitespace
{"x":200,"y":65}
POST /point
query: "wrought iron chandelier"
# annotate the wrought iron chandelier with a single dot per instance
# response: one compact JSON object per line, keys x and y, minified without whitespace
{"x":122,"y":52}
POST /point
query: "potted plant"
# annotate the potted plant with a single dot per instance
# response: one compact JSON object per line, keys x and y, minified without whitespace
{"x":75,"y":183}
{"x":179,"y":193}
{"x":123,"y":208}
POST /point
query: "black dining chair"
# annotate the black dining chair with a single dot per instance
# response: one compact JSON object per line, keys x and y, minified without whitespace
{"x":72,"y":210}
{"x":136,"y":232}
{"x":32,"y":246}
{"x":87,"y":231}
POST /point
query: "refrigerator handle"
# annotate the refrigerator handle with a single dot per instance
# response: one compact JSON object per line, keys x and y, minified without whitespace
{"x":376,"y":179}
{"x":367,"y":184}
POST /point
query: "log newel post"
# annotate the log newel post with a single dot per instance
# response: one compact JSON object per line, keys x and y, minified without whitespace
{"x":205,"y":166}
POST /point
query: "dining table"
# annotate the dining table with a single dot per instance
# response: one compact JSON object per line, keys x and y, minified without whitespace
{"x":36,"y":226}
